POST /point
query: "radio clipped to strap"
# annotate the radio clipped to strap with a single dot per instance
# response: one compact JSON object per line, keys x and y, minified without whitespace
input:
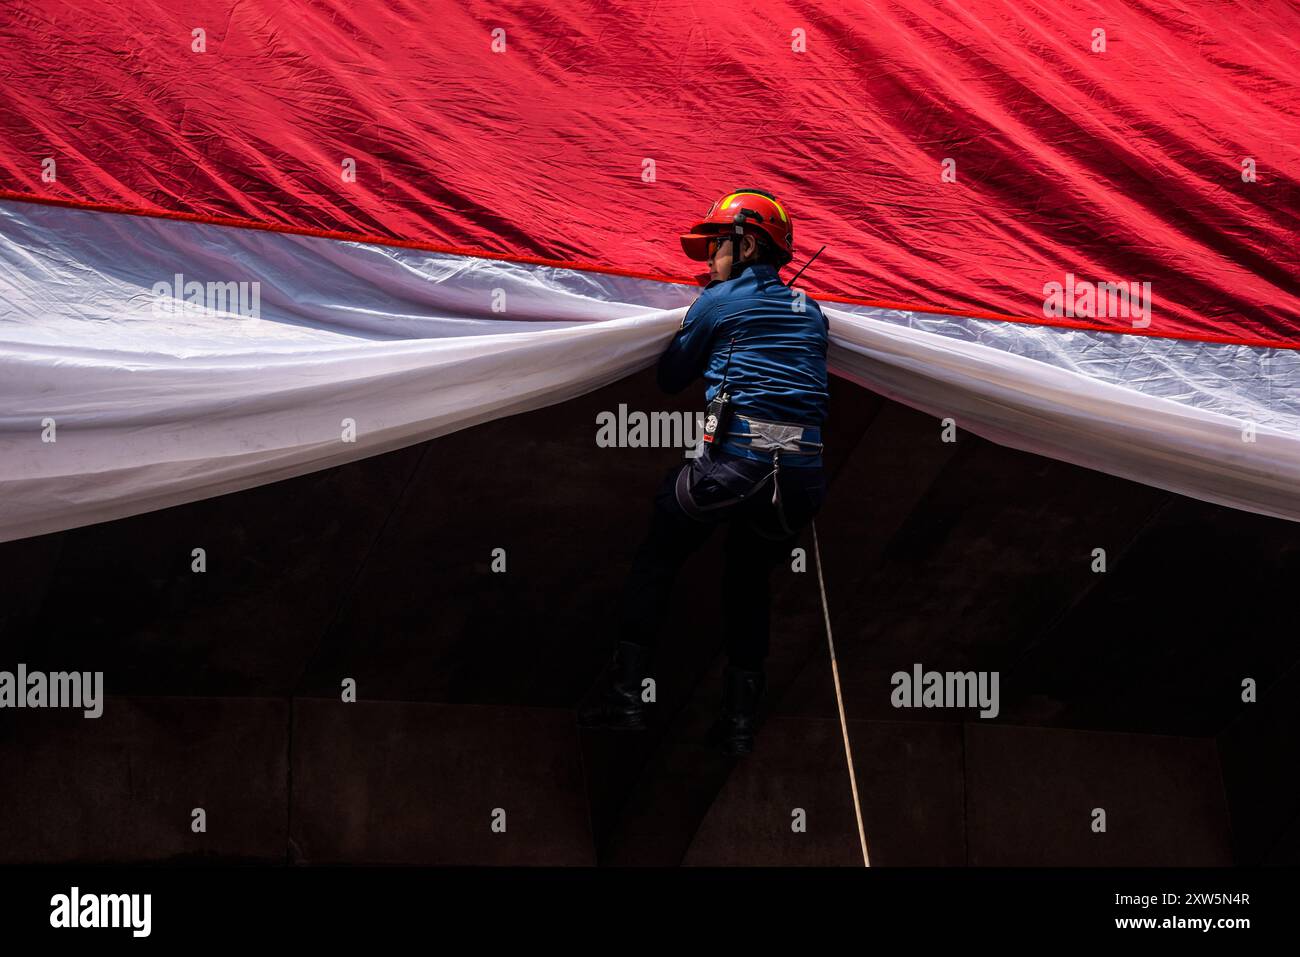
{"x":715,"y":417}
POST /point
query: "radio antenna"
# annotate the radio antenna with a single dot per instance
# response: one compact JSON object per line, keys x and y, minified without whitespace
{"x":805,"y":266}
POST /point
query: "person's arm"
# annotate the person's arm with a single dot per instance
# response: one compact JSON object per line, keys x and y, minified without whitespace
{"x":687,"y":355}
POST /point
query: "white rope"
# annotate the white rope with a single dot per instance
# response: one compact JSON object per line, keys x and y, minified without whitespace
{"x":839,"y":698}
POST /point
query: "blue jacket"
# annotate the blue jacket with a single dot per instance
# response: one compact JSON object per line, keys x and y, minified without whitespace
{"x":777,"y":370}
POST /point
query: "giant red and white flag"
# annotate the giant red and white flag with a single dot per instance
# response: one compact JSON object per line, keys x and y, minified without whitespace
{"x":1071,"y":228}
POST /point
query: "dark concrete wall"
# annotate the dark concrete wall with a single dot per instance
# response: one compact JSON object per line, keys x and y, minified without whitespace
{"x":1119,"y":690}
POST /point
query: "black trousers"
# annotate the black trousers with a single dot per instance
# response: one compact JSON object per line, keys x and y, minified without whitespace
{"x":720,"y":489}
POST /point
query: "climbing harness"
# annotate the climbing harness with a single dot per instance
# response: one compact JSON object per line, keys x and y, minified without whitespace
{"x":762,"y":436}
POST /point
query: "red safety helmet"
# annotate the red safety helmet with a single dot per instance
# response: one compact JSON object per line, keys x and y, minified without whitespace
{"x":746,"y":210}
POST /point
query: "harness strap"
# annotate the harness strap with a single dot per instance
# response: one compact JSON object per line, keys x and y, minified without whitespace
{"x":759,"y":435}
{"x":683,"y":489}
{"x":767,"y":436}
{"x":776,"y":493}
{"x":776,"y":482}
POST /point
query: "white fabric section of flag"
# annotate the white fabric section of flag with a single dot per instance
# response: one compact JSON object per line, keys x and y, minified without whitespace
{"x":156,"y":410}
{"x":1040,"y":408}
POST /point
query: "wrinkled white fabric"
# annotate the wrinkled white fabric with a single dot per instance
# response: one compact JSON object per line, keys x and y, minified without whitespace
{"x":1038,"y":407}
{"x":152,"y":411}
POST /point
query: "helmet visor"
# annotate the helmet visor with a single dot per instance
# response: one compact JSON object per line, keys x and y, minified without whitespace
{"x":696,"y":244}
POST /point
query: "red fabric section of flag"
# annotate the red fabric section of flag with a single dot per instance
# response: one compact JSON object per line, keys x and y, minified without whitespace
{"x":1122,"y":165}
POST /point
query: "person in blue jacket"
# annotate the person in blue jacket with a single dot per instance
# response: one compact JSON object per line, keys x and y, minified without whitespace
{"x":761,"y":348}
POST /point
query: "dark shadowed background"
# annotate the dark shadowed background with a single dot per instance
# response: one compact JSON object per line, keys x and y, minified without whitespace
{"x":1119,"y":690}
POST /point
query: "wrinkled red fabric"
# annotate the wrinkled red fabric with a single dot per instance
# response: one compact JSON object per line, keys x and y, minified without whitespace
{"x":1123,"y":165}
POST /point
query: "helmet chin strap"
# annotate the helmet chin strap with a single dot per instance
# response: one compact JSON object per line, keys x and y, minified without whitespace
{"x":737,"y":233}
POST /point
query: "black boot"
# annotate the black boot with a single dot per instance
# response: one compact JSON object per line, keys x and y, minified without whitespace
{"x":615,"y":701}
{"x":741,"y":693}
